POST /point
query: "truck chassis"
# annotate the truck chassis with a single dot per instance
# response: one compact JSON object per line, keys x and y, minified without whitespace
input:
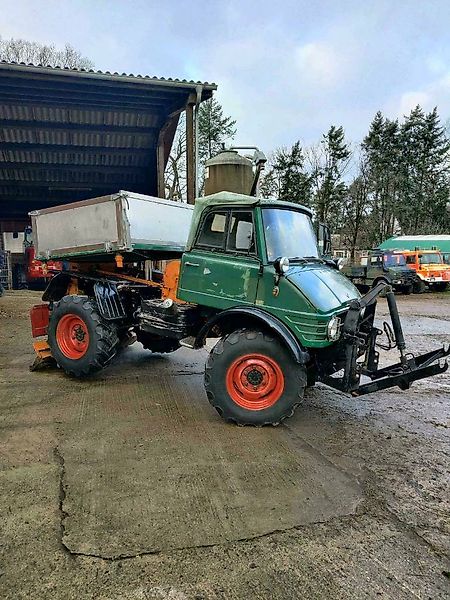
{"x":124,"y":308}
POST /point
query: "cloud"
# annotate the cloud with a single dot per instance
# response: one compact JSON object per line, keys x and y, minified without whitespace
{"x":434,"y":93}
{"x":318,"y":63}
{"x":410,"y":100}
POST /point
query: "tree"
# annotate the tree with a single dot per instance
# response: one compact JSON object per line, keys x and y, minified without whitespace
{"x":20,"y":50}
{"x":424,"y":174}
{"x":329,"y":161}
{"x":382,"y":155}
{"x":213,"y":129}
{"x":175,"y":175}
{"x":356,"y":207}
{"x":286,"y":177}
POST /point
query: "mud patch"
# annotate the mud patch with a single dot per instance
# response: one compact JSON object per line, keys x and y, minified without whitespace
{"x":170,"y":474}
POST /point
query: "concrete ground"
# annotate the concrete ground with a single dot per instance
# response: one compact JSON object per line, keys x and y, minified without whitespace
{"x":129,"y":486}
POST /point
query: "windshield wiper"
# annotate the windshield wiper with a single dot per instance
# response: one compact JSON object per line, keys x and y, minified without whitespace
{"x":306,"y":259}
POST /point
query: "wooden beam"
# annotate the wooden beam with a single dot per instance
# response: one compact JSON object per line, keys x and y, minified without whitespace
{"x":190,"y":153}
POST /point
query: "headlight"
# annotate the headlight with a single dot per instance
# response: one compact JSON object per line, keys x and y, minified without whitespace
{"x":333,"y":328}
{"x":284,"y":264}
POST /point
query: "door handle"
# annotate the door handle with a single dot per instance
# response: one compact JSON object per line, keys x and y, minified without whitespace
{"x":191,"y":264}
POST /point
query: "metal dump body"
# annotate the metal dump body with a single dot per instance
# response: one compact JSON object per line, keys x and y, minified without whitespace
{"x":122,"y":222}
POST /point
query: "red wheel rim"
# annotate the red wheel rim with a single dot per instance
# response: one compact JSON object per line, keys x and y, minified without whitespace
{"x":255,"y":381}
{"x":72,"y":336}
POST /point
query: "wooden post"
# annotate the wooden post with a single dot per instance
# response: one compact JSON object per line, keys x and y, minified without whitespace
{"x":160,"y":164}
{"x":190,"y":152}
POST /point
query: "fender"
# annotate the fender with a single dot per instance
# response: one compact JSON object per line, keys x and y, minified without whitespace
{"x":243,"y":314}
{"x":57,"y":287}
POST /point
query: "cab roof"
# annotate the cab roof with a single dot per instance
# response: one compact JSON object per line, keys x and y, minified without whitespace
{"x":232,"y":198}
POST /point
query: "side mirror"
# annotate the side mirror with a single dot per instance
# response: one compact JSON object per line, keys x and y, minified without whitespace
{"x":281,"y":265}
{"x":324,"y":237}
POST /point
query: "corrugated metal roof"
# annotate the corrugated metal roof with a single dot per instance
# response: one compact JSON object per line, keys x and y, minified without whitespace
{"x":411,"y":242}
{"x":109,"y":74}
{"x":72,"y":134}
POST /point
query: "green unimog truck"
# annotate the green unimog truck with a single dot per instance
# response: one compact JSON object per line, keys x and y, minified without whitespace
{"x":381,"y":266}
{"x":250,"y":274}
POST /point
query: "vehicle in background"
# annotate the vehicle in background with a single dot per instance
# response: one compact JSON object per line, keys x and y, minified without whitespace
{"x":381,"y":267}
{"x":429,"y":265}
{"x":31,"y":273}
{"x":244,"y":270}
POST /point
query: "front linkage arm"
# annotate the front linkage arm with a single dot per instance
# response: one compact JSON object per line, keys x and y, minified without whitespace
{"x":359,"y":338}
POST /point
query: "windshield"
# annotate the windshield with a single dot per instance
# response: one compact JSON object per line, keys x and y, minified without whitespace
{"x":288,"y":233}
{"x":394,"y":260}
{"x":430,"y":259}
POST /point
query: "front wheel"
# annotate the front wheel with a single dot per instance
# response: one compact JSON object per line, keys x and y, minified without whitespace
{"x":251,"y":379}
{"x":406,"y":289}
{"x":81,"y":342}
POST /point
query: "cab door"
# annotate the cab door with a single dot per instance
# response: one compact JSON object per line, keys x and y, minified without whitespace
{"x":222,"y":269}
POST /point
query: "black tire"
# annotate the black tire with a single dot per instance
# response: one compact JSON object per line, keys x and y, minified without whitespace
{"x":419,"y":286}
{"x":406,"y":289}
{"x":227,"y":353}
{"x":2,"y":290}
{"x":311,"y":377}
{"x":440,"y":286}
{"x":102,"y":341}
{"x":157,"y":344}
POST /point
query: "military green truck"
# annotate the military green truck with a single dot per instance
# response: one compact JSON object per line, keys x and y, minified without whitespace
{"x":381,"y":267}
{"x":243,"y":270}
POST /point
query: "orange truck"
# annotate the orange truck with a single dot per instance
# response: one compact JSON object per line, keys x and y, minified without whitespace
{"x":430,"y":267}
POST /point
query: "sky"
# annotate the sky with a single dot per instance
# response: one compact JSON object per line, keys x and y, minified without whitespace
{"x":285,"y":70}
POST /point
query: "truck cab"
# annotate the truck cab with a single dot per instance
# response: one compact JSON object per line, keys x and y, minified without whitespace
{"x":430,"y":268}
{"x":381,"y":266}
{"x":237,"y":249}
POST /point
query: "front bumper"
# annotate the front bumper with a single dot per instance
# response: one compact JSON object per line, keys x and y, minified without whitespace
{"x":356,"y":354}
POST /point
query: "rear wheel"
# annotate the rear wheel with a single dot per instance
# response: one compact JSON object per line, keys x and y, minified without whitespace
{"x":251,"y":379}
{"x":81,"y":342}
{"x":157,"y":344}
{"x":440,"y":286}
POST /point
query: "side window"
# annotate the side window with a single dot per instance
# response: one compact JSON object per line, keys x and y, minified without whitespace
{"x":240,"y":236}
{"x":212,"y":234}
{"x":375,"y":260}
{"x":410,"y":259}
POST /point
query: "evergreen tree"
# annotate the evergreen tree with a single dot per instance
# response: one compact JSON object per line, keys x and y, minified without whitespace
{"x":286,"y":178}
{"x":329,"y":161}
{"x":213,"y":129}
{"x":382,"y":153}
{"x":425,"y":181}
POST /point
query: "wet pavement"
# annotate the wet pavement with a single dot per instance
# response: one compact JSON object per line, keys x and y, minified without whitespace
{"x":130,"y":486}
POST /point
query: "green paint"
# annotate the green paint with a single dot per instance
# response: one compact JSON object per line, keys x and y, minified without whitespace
{"x":309,"y":294}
